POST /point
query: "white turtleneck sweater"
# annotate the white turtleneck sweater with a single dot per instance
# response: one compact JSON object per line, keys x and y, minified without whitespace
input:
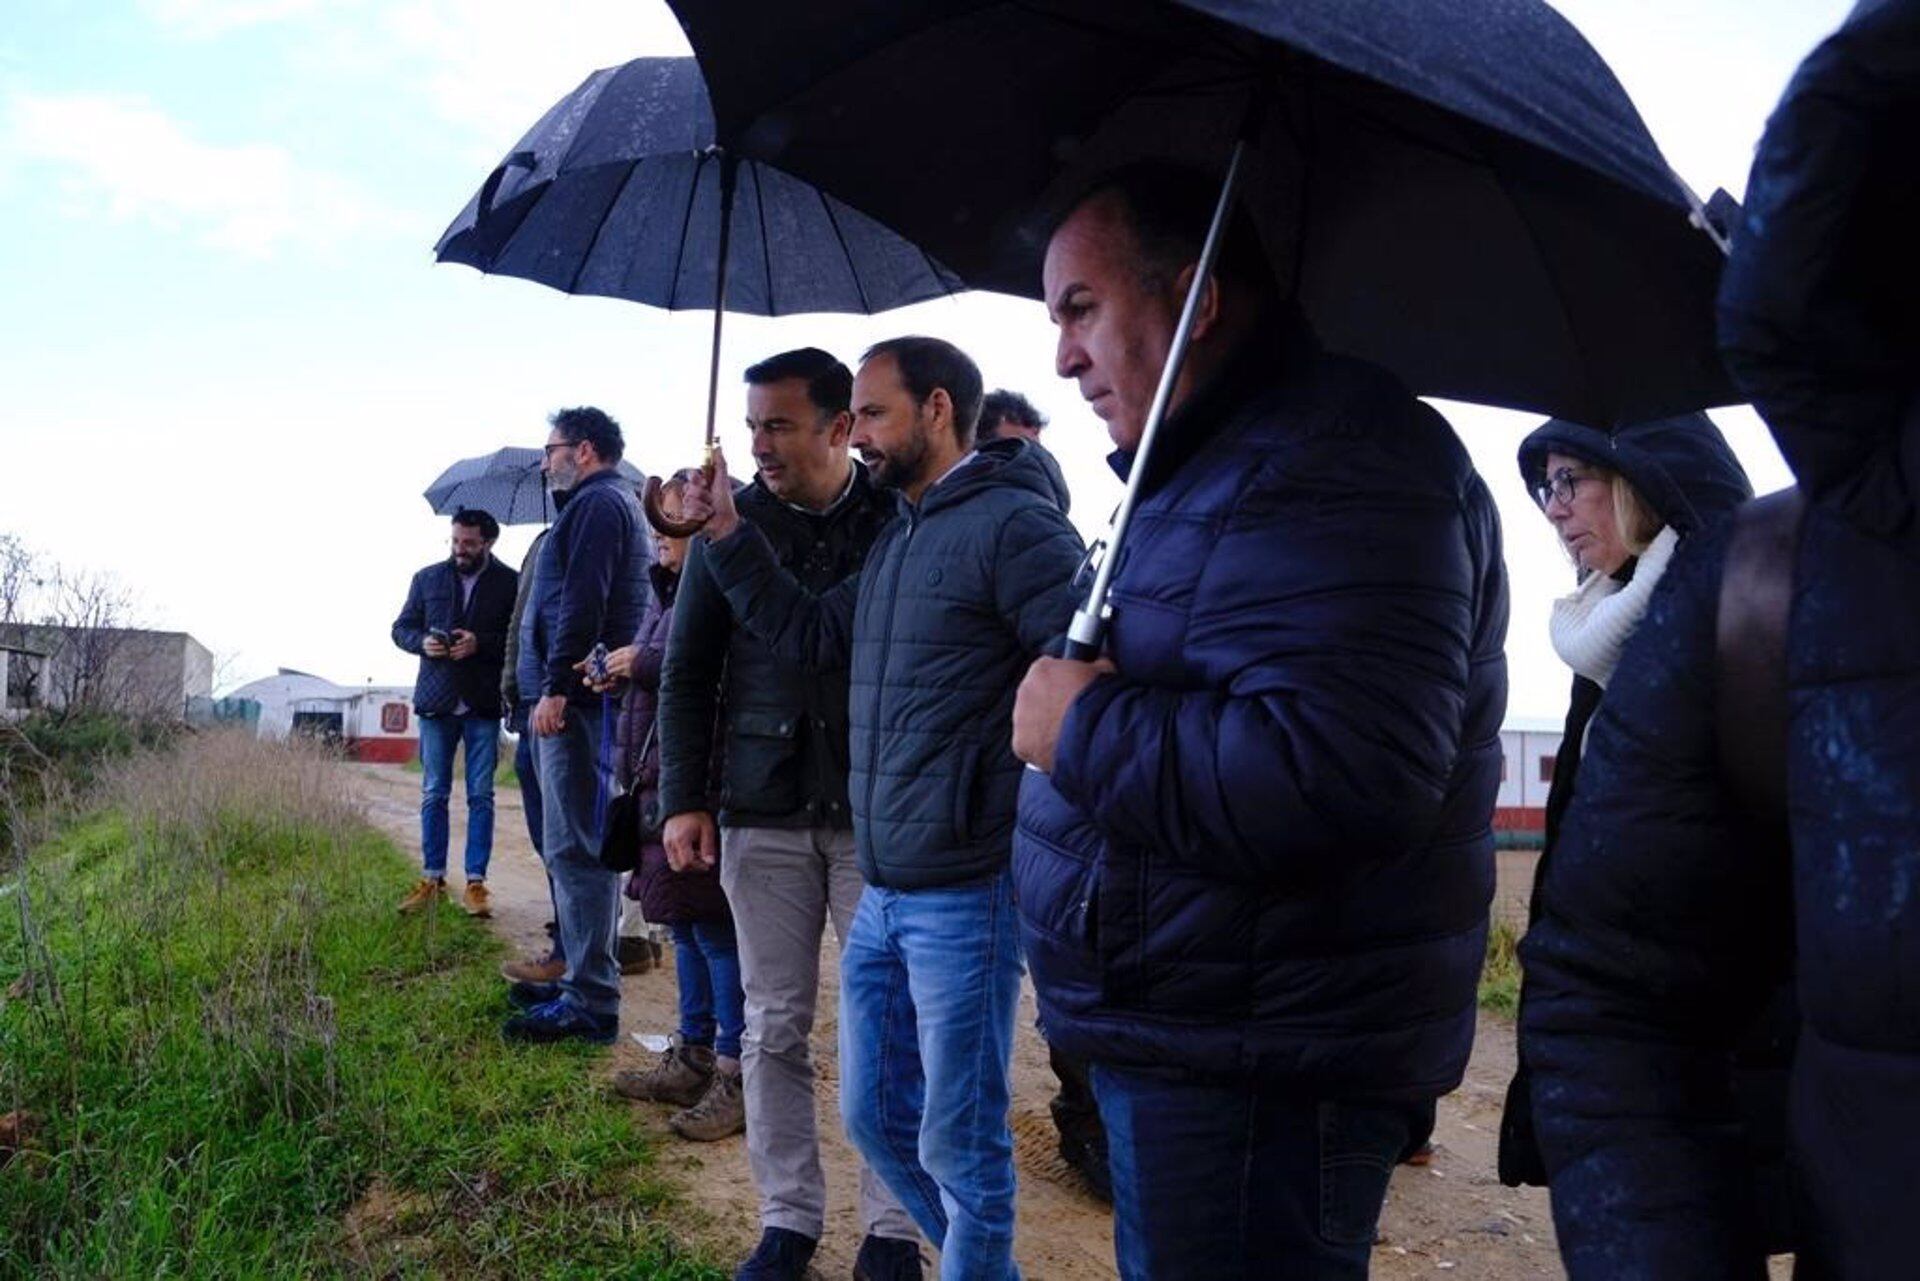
{"x":1590,"y":627}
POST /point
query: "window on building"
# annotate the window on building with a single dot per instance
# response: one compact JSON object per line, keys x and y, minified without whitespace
{"x":1546,"y":767}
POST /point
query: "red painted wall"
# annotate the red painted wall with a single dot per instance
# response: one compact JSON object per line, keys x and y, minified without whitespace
{"x":383,"y":751}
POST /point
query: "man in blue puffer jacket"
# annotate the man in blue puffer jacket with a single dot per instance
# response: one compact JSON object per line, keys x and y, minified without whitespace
{"x":967,"y":584}
{"x":1664,"y":919}
{"x":1254,"y":870}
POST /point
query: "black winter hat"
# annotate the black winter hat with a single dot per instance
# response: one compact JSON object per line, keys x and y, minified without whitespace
{"x":1682,"y":466}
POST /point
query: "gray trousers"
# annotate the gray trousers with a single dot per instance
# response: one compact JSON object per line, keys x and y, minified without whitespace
{"x":782,"y":884}
{"x":586,"y":896}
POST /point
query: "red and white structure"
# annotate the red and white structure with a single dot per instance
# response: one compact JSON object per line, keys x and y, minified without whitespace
{"x":1528,"y":747}
{"x":370,"y":722}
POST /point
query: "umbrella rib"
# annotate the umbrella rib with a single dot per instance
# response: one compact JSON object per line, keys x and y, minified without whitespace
{"x":766,"y":245}
{"x":853,"y":268}
{"x":573,"y":282}
{"x":686,"y":221}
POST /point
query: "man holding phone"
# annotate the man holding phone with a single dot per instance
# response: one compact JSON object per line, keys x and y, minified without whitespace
{"x":455,"y":619}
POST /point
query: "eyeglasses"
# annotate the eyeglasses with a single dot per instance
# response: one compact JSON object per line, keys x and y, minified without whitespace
{"x":559,"y":444}
{"x":1560,"y":487}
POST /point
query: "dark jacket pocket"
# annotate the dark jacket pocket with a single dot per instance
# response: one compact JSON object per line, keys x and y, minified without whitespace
{"x":763,"y":761}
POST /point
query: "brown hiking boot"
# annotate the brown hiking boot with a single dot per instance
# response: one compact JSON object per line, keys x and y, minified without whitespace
{"x":679,"y":1076}
{"x":423,"y":894}
{"x":638,"y":954}
{"x":721,"y":1111}
{"x":475,"y":900}
{"x":544,"y":969}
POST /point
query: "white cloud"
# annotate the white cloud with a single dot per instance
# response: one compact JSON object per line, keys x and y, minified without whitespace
{"x":122,"y":158}
{"x":494,"y":66}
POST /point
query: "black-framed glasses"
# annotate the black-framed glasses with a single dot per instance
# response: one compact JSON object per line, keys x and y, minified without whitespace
{"x":558,"y":444}
{"x":1561,"y":487}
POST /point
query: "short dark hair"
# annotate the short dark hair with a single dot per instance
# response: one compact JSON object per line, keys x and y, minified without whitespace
{"x":1169,"y":207}
{"x":1002,"y":406}
{"x":585,"y":423}
{"x":927,"y":363}
{"x":829,"y":383}
{"x":474,"y":518}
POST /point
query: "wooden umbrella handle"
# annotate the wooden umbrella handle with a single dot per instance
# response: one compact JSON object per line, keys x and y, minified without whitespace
{"x":650,"y":504}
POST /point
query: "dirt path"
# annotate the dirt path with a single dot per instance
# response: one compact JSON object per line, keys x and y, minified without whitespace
{"x":1451,"y":1218}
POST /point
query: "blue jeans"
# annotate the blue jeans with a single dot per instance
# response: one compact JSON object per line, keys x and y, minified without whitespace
{"x":713,"y":1009}
{"x":586,"y":896}
{"x":1228,"y":1182}
{"x":928,"y":984}
{"x":439,"y":736}
{"x":526,"y":768}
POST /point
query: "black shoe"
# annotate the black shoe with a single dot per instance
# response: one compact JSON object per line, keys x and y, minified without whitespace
{"x":524,"y":996}
{"x":780,"y":1256}
{"x":561,"y":1020}
{"x":1088,"y":1155}
{"x":887,"y":1259}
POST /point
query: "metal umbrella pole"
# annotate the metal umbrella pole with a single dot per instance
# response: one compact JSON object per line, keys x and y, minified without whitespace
{"x":650,"y":499}
{"x":1090,"y":621}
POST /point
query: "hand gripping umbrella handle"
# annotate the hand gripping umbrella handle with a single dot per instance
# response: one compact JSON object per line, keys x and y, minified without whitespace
{"x":1085,"y":634}
{"x":657,"y":516}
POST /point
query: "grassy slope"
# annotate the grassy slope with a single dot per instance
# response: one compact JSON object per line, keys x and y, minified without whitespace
{"x":244,"y":1064}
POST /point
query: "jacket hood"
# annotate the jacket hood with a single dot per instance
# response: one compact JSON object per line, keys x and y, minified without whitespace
{"x":1682,"y":466}
{"x":997,"y":464}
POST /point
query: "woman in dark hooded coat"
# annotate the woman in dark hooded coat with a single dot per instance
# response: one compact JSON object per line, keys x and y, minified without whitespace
{"x":1620,"y":503}
{"x":1663,"y":921}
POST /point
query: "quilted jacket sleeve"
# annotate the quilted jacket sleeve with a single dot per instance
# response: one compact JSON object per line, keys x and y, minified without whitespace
{"x":410,"y":628}
{"x":1657,"y":941}
{"x":1332,"y":628}
{"x":1033,"y":583}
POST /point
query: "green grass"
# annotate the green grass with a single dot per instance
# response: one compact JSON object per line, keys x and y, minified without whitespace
{"x":241,"y":1062}
{"x":1500,"y":979}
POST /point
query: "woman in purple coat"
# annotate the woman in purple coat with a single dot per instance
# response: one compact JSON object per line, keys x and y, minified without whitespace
{"x":700,"y":1070}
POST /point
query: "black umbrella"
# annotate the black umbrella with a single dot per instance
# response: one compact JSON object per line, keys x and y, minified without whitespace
{"x":1461,"y":188}
{"x":506,"y":484}
{"x":625,"y":188}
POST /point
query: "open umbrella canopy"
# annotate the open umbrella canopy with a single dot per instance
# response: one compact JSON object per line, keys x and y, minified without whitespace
{"x":617,"y":191}
{"x":1461,"y":188}
{"x":505,"y":484}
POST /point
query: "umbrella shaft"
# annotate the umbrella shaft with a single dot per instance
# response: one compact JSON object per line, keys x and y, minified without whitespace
{"x":727,"y":173}
{"x":1090,"y":622}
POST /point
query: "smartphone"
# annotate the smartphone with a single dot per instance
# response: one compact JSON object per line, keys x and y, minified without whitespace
{"x":597,"y":665}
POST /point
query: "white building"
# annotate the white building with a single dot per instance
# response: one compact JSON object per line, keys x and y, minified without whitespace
{"x":373,"y":722}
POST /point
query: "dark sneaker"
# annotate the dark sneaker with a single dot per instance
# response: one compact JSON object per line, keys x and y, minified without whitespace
{"x":721,"y":1112}
{"x":561,"y":1020}
{"x":780,"y":1256}
{"x":887,"y":1259}
{"x":1088,"y":1155}
{"x":524,"y":996}
{"x":680,"y":1076}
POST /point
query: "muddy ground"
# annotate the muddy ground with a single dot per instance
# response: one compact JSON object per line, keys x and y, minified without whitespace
{"x":1452,"y":1218}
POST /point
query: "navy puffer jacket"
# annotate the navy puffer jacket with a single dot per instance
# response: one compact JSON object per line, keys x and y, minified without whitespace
{"x":956,"y":600}
{"x":1265,"y":849}
{"x":1661,"y":928}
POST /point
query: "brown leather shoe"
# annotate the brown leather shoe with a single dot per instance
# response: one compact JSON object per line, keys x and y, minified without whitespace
{"x":542,"y":969}
{"x":475,"y":900}
{"x":423,"y":894}
{"x":720,"y":1113}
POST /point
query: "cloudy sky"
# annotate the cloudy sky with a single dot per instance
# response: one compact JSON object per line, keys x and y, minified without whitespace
{"x":228,"y":364}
